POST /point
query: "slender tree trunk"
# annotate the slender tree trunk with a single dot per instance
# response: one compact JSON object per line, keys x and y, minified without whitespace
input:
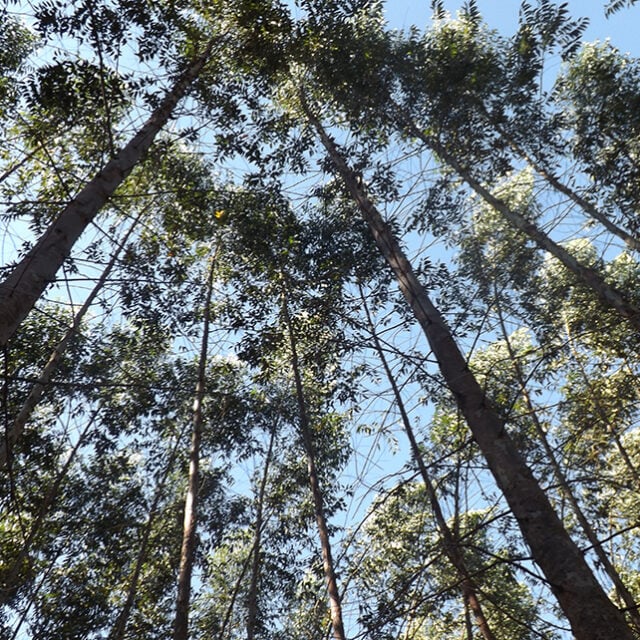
{"x":592,"y":278}
{"x":451,"y":546}
{"x":252,"y":558}
{"x":30,"y":277}
{"x":187,"y":553}
{"x":590,"y":612}
{"x":120,"y":626}
{"x":12,"y":435}
{"x":335,"y":601}
{"x":235,"y":592}
{"x":623,"y":593}
{"x":252,"y":595}
{"x":591,"y":210}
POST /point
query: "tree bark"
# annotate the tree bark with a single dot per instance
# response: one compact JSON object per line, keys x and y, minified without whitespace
{"x":12,"y":435}
{"x":187,"y":552}
{"x":30,"y":277}
{"x":623,"y":593}
{"x":451,"y":546}
{"x":591,"y":614}
{"x":335,"y":601}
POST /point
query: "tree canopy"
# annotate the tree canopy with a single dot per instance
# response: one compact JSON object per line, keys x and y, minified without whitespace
{"x":312,"y":326}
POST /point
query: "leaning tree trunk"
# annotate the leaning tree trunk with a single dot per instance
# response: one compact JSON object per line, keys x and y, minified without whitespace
{"x":591,"y":614}
{"x":187,"y":552}
{"x":451,"y":546}
{"x":592,"y":278}
{"x":30,"y":277}
{"x":13,"y":433}
{"x":621,"y":589}
{"x":335,"y":600}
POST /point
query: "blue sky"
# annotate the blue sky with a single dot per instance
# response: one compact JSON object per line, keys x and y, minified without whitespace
{"x":623,"y":28}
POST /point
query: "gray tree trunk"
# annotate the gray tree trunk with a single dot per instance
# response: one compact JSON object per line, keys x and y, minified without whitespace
{"x":187,"y":552}
{"x":14,"y":432}
{"x":335,"y":601}
{"x":451,"y":546}
{"x":30,"y":277}
{"x":591,"y":614}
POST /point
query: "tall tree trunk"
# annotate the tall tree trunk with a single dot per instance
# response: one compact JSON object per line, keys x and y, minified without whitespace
{"x":30,"y":277}
{"x":452,"y":548}
{"x":252,"y":559}
{"x":187,"y":553}
{"x":590,"y":612}
{"x":120,"y":626}
{"x":335,"y":601}
{"x":623,"y":593}
{"x":252,"y":595}
{"x":12,"y":435}
{"x":592,"y":278}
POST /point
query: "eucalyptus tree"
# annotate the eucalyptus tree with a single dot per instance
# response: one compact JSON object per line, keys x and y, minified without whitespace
{"x":511,"y":473}
{"x":66,"y":90}
{"x":566,"y":340}
{"x":31,"y":276}
{"x":256,"y":577}
{"x":188,"y":549}
{"x":297,"y":336}
{"x":489,"y":84}
{"x":409,"y":589}
{"x":540,"y":525}
{"x":14,"y":431}
{"x":452,"y":548}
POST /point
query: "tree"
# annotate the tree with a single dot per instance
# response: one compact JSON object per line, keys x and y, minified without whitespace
{"x":541,"y":526}
{"x":187,"y":553}
{"x":412,"y":583}
{"x":28,"y":280}
{"x":351,"y":478}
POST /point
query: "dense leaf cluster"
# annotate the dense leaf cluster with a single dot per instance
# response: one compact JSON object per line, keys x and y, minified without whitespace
{"x":239,"y":289}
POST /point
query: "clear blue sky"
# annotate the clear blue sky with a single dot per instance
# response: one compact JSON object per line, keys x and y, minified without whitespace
{"x":623,"y":28}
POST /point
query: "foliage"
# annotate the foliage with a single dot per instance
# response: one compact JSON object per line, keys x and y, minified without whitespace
{"x":442,"y":128}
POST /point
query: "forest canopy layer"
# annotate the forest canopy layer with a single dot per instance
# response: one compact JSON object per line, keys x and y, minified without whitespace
{"x":315,"y":327}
